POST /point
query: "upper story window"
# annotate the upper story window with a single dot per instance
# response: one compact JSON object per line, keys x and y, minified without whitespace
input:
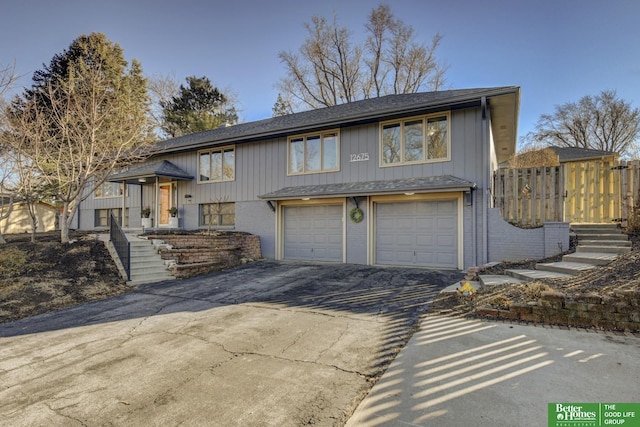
{"x":217,"y":164}
{"x":415,"y":140}
{"x":109,"y":189}
{"x":314,"y":153}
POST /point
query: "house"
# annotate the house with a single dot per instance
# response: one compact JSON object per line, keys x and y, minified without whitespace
{"x":396,"y":180}
{"x":555,"y":156}
{"x":19,"y":220}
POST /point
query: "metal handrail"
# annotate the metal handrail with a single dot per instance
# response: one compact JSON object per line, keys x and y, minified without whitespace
{"x":121,"y":244}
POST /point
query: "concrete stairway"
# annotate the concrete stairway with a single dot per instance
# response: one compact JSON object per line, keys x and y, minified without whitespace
{"x":598,"y":244}
{"x":146,"y":264}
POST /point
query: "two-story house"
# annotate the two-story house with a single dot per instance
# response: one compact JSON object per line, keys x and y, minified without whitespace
{"x":395,"y":180}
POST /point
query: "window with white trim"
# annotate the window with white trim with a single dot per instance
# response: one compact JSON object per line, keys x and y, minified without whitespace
{"x":415,"y":140}
{"x":109,"y":189}
{"x":218,"y":214}
{"x":217,"y":164}
{"x":313,"y":153}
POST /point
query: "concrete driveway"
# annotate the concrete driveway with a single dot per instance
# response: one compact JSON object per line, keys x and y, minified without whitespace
{"x":270,"y":343}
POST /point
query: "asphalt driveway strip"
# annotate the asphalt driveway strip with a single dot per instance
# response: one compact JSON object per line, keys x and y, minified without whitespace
{"x":268,"y":343}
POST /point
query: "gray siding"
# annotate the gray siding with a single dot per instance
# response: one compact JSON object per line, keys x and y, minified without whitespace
{"x":356,"y":240}
{"x":261,"y":167}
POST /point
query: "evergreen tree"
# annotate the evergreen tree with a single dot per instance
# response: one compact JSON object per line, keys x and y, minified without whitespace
{"x":198,"y":106}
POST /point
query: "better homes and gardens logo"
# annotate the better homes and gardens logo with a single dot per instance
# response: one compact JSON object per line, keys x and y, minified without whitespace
{"x":594,"y":414}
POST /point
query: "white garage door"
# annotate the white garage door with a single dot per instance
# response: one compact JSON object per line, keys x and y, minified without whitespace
{"x":313,"y":232}
{"x":423,"y":233}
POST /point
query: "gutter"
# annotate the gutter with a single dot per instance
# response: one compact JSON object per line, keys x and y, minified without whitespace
{"x":486,"y":179}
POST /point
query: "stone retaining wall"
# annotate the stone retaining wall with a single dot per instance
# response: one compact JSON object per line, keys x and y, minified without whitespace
{"x":197,"y":254}
{"x":619,"y":311}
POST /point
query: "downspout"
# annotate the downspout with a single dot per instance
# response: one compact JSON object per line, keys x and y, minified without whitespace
{"x":485,"y":183}
{"x":124,"y":201}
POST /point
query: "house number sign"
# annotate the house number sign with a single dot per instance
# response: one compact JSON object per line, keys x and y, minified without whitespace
{"x":360,"y":157}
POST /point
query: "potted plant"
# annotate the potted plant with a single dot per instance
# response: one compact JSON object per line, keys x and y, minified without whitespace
{"x":145,"y":213}
{"x":173,"y":221}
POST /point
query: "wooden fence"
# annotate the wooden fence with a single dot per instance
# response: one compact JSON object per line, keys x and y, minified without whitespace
{"x":599,"y":191}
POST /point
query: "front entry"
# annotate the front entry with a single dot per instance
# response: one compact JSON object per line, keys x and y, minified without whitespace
{"x":164,"y":203}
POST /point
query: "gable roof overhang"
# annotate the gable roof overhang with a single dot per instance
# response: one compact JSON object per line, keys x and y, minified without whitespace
{"x":148,"y":172}
{"x":504,"y":103}
{"x":431,"y":184}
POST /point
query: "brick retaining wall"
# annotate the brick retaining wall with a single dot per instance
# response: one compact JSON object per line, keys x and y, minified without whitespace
{"x":619,"y":311}
{"x":197,"y":254}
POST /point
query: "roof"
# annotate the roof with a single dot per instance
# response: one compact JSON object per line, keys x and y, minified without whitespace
{"x":505,"y":99}
{"x":138,"y":174}
{"x":572,"y":154}
{"x":372,"y":188}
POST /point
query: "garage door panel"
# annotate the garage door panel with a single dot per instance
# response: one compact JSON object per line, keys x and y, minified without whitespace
{"x":313,"y":232}
{"x":420,"y":233}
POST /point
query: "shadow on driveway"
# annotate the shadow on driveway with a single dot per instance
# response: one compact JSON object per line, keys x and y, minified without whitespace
{"x":268,"y":343}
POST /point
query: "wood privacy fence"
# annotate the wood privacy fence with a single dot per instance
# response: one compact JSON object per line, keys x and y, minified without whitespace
{"x":596,"y":191}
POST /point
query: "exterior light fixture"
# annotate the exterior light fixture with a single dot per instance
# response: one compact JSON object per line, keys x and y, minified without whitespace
{"x":306,"y":198}
{"x":409,"y":194}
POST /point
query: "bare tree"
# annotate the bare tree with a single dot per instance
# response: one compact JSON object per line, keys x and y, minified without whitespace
{"x":602,"y":122}
{"x":330,"y":70}
{"x":86,"y":131}
{"x":162,"y":89}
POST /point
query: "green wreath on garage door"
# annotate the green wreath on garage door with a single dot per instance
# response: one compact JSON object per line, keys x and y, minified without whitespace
{"x":356,"y":215}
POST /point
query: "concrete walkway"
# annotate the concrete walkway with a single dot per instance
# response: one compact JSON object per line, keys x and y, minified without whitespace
{"x":459,"y":372}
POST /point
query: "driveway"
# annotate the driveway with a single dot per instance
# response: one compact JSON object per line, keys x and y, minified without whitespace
{"x":269,"y":343}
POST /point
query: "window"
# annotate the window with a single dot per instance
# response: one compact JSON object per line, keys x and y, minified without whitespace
{"x":415,"y":140}
{"x":217,"y":165}
{"x":109,"y":189}
{"x":103,"y":216}
{"x":218,"y":214}
{"x":314,"y":153}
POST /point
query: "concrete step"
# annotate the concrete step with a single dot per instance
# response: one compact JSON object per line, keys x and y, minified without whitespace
{"x":590,"y":228}
{"x":617,"y":243}
{"x":602,"y":236}
{"x":497,"y":279}
{"x":595,"y":258}
{"x":603,"y":249}
{"x":531,"y":275}
{"x":565,"y":267}
{"x":149,"y":278}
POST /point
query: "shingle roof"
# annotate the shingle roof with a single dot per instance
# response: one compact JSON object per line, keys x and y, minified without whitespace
{"x":568,"y":154}
{"x":369,"y":188}
{"x":353,"y":112}
{"x":163,"y":168}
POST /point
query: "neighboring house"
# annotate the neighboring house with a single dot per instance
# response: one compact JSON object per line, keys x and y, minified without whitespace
{"x":395,"y":180}
{"x":577,"y":154}
{"x":555,"y":156}
{"x":19,"y":221}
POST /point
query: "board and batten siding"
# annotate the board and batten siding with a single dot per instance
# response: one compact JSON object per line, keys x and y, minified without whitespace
{"x":261,"y":167}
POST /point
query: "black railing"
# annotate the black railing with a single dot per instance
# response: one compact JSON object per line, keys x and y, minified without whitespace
{"x":121,"y":244}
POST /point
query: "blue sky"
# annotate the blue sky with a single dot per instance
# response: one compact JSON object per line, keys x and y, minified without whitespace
{"x":556,"y":50}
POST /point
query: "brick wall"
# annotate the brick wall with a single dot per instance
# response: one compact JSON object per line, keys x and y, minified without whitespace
{"x":619,"y":311}
{"x":197,"y":254}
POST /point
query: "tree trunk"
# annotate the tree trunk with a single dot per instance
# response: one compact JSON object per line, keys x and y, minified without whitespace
{"x":64,"y":223}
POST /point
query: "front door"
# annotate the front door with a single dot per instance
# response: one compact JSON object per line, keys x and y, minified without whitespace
{"x":164,"y":204}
